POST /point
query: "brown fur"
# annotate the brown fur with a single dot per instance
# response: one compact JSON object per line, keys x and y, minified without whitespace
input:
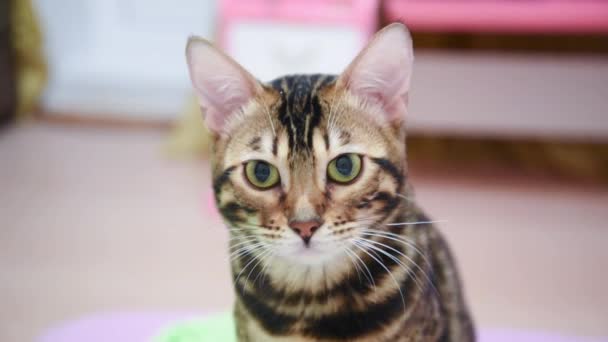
{"x":375,"y":269}
{"x":434,"y":307}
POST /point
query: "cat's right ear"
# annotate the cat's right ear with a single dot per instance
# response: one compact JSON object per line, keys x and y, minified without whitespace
{"x":381,"y":72}
{"x":221,"y":84}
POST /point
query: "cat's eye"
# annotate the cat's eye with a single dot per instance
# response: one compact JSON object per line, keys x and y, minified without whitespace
{"x":344,"y":168}
{"x":261,"y":174}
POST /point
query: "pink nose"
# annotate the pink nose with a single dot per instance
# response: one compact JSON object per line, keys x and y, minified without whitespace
{"x":305,"y":229}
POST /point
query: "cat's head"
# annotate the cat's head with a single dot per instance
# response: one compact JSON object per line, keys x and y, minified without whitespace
{"x":306,"y":163}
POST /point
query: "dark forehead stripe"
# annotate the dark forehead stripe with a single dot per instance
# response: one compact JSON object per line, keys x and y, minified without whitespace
{"x":345,"y":137}
{"x":275,"y":145}
{"x":254,"y":143}
{"x":300,"y":109}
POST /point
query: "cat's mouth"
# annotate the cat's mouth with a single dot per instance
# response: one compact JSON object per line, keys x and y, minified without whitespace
{"x":307,"y":249}
{"x":312,"y":253}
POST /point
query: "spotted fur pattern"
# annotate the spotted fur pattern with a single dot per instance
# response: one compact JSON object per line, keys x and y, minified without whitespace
{"x":361,"y":279}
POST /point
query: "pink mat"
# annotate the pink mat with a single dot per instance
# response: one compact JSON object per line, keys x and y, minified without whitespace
{"x":144,"y":326}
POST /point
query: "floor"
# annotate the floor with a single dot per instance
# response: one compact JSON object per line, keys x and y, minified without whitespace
{"x":95,"y":220}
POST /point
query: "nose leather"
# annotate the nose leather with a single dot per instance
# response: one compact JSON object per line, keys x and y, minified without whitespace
{"x":305,"y":229}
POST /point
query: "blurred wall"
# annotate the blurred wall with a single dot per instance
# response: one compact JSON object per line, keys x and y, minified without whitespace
{"x":126,"y":58}
{"x":120,"y":56}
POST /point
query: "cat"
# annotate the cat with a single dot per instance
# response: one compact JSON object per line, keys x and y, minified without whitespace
{"x":310,"y":177}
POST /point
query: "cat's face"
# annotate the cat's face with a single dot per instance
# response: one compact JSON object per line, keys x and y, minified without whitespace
{"x":305,"y":164}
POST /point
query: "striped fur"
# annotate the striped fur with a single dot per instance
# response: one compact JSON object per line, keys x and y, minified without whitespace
{"x":405,"y":289}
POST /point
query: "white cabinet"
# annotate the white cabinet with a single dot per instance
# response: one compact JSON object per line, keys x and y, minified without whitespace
{"x":272,"y":50}
{"x":120,"y":57}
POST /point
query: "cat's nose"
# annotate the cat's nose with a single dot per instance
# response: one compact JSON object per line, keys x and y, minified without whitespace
{"x":305,"y":229}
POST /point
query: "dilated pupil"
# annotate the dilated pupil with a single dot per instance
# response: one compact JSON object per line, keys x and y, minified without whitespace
{"x":262,"y":172}
{"x":344,"y":165}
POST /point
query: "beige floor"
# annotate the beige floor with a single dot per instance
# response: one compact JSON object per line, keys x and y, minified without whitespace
{"x":95,"y":220}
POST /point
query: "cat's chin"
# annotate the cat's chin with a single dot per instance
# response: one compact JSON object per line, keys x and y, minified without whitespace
{"x":314,"y":254}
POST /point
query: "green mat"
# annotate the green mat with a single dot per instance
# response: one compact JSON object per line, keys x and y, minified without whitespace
{"x":219,"y":327}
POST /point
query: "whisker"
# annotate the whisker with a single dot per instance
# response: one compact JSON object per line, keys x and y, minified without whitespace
{"x":408,"y":269}
{"x":249,"y":226}
{"x":395,"y":259}
{"x":357,"y":268}
{"x":255,"y":257}
{"x":369,"y":218}
{"x":265,"y":254}
{"x":247,"y":244}
{"x":240,"y":252}
{"x":237,"y":253}
{"x":369,"y":273}
{"x":399,"y":238}
{"x":269,"y":257}
{"x":237,"y":232}
{"x":362,"y":248}
{"x":408,"y":243}
{"x":248,"y":230}
{"x":240,"y":243}
{"x":245,"y":250}
{"x":414,"y":223}
{"x":404,"y":238}
{"x":241,"y":237}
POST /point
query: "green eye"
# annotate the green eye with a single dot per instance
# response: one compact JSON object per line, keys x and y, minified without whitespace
{"x":344,"y":168}
{"x":261,"y":174}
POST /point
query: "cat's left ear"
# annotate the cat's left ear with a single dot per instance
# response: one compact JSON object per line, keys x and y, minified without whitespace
{"x":381,"y":72}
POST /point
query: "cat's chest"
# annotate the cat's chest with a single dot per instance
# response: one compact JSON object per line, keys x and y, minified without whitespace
{"x":400,"y":333}
{"x":423,"y":323}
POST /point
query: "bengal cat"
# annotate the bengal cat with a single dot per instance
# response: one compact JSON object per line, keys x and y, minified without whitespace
{"x":310,"y":176}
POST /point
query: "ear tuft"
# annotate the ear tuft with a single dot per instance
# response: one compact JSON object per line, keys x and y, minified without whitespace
{"x":221,"y":85}
{"x":381,"y":72}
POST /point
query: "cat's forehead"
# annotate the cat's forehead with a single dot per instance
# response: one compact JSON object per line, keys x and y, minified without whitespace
{"x":301,"y":109}
{"x":303,"y":120}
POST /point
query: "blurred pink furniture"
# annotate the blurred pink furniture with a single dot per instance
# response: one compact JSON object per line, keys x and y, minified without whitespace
{"x":144,"y":326}
{"x":512,"y":16}
{"x":276,"y":37}
{"x":360,"y":14}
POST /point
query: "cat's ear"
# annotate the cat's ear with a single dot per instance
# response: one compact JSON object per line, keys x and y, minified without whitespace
{"x":221,"y":84}
{"x":381,"y":72}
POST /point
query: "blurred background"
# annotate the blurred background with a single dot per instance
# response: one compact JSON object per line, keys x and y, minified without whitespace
{"x":105,"y":200}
